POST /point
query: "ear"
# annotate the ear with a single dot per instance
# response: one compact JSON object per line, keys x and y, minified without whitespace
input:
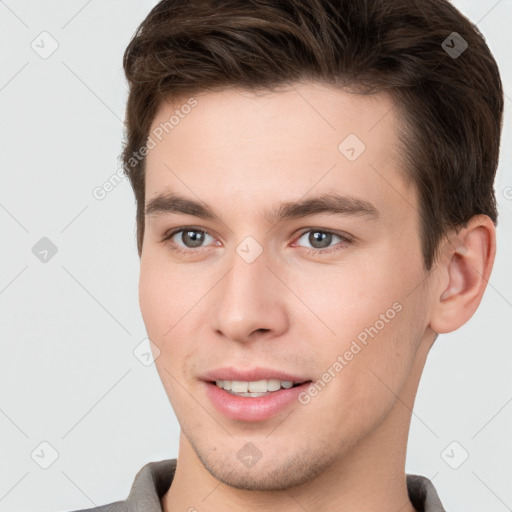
{"x":464,"y":267}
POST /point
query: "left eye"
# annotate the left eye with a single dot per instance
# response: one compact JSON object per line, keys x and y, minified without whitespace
{"x":321,"y":239}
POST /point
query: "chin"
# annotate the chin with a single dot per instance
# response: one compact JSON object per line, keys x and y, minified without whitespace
{"x":267,"y":474}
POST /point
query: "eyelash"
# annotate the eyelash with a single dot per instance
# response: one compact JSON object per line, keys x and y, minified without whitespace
{"x":346,"y":239}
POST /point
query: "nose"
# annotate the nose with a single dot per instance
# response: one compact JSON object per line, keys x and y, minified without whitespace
{"x":250,"y":301}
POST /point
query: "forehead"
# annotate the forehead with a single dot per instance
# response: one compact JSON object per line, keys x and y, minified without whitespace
{"x":236,"y":147}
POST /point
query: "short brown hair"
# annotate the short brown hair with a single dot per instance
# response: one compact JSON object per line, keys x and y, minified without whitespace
{"x":451,"y":105}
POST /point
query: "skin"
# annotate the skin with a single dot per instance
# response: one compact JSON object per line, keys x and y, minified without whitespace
{"x":292,"y":309}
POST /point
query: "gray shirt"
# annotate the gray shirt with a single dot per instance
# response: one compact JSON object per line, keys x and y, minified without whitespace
{"x":154,"y":479}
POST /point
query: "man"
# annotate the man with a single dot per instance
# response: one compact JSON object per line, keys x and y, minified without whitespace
{"x":315,"y":204}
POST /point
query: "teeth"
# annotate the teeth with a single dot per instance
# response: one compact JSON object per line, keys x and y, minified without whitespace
{"x":239,"y":386}
{"x":273,"y":384}
{"x":259,"y":386}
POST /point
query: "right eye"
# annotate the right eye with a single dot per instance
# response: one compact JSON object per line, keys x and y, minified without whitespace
{"x":191,"y":238}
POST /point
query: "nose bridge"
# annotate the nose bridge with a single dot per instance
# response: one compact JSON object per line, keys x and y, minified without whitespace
{"x":247,"y":284}
{"x":248,"y":298}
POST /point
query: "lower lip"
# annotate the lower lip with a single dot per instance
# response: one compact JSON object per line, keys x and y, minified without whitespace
{"x":253,"y":409}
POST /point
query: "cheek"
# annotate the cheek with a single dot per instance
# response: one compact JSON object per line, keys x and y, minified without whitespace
{"x":375,"y":323}
{"x":161,"y":309}
{"x":149,"y":295}
{"x":345,"y":300}
{"x":161,"y":300}
{"x":168,"y":299}
{"x":162,"y":291}
{"x":370,"y":371}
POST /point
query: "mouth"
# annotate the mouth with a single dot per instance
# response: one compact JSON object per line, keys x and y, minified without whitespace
{"x":253,"y":401}
{"x":255,"y":389}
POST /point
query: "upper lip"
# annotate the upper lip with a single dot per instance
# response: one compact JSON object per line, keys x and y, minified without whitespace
{"x":250,"y":374}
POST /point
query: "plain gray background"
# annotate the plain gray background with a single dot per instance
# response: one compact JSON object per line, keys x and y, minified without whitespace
{"x":69,"y":326}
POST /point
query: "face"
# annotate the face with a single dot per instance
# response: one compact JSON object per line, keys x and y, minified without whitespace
{"x":335,"y":297}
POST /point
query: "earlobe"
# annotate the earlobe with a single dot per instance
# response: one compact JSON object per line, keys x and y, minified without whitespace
{"x":468,"y":258}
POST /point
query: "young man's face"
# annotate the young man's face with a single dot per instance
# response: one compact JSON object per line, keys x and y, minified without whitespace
{"x":290,"y":295}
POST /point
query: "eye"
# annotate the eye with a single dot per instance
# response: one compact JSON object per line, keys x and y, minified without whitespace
{"x":321,"y":239}
{"x":191,"y":238}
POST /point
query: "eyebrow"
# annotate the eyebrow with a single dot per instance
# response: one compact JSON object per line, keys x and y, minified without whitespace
{"x":333,"y":204}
